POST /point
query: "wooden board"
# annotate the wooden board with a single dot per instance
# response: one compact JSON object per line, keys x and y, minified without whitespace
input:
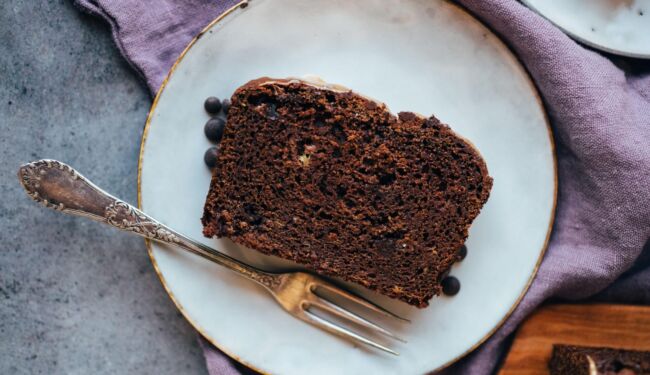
{"x":617,"y":326}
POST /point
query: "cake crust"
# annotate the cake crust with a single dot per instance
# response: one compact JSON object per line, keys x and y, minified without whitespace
{"x":325,"y":177}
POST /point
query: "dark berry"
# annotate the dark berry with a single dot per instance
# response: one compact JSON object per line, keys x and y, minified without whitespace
{"x":210,"y":157}
{"x":214,"y":128}
{"x":225,"y":104}
{"x":462,"y":252}
{"x":450,"y":286}
{"x":446,"y":273}
{"x":212,"y":105}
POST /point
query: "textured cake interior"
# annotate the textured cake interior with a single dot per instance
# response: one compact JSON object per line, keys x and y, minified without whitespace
{"x":332,"y":180}
{"x":581,"y":360}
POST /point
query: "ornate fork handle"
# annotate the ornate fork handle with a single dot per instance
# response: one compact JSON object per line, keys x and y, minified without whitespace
{"x":59,"y":186}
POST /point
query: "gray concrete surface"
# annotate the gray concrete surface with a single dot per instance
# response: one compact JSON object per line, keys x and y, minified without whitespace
{"x":76,"y":297}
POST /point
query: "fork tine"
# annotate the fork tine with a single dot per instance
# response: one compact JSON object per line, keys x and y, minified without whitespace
{"x":333,"y":328}
{"x":345,"y":314}
{"x":359,"y":300}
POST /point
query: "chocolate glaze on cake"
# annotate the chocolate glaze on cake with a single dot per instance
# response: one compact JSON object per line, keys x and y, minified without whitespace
{"x":328,"y":178}
{"x":581,"y":360}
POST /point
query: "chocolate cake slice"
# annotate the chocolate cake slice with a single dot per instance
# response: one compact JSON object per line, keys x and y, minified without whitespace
{"x":581,"y":360}
{"x":325,"y":177}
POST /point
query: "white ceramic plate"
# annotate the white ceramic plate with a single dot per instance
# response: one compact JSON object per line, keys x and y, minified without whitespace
{"x":616,"y":26}
{"x":427,"y":56}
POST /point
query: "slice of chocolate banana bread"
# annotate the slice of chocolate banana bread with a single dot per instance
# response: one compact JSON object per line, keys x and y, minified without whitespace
{"x":581,"y":360}
{"x":330,"y":179}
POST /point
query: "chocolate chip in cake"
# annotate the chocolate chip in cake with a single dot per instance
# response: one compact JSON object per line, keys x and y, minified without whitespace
{"x":450,"y":286}
{"x":446,"y":273}
{"x":214,"y":128}
{"x":225,"y":104}
{"x":462,"y":253}
{"x":210,"y":156}
{"x":212,"y":105}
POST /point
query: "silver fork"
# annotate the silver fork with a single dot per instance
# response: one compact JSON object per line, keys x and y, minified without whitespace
{"x":58,"y":186}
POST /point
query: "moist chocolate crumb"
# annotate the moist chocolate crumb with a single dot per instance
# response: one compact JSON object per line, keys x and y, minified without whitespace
{"x":334,"y":181}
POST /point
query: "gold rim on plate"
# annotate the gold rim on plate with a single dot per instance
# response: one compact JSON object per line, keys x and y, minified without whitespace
{"x":214,"y":342}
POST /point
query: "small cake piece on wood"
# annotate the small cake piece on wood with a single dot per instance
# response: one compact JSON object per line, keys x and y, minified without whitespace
{"x":582,"y":360}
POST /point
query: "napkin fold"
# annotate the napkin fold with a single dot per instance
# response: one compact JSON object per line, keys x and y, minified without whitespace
{"x":599,"y":107}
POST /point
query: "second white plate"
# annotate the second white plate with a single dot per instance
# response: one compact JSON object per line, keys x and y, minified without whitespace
{"x":616,"y":26}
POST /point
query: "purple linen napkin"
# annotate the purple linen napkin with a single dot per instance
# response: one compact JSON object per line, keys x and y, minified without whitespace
{"x":599,"y":106}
